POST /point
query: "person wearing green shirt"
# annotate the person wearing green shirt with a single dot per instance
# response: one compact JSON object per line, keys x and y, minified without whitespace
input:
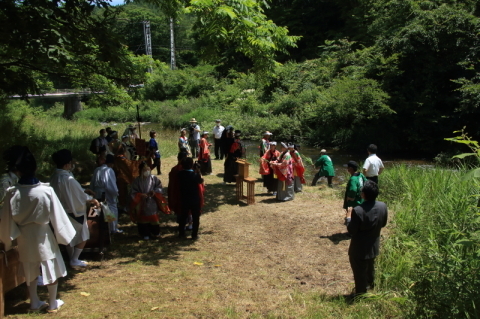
{"x":353,"y":195}
{"x":324,"y":162}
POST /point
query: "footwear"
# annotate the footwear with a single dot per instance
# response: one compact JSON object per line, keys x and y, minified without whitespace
{"x":196,"y":237}
{"x":117,"y":231}
{"x":274,"y":193}
{"x":60,"y":303}
{"x":78,"y":263}
{"x":146,"y":238}
{"x":42,"y":306}
{"x":190,"y":227}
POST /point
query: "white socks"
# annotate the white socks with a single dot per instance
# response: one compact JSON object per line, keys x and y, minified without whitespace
{"x":32,"y":290}
{"x":76,"y":254}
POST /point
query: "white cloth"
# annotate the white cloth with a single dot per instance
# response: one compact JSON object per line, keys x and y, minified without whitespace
{"x":6,"y":180}
{"x":372,"y":164}
{"x":104,"y":180}
{"x":27,"y":212}
{"x":196,"y":134}
{"x":217,"y":131}
{"x":74,"y":201}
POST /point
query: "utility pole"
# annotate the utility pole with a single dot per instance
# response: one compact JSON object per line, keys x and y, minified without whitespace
{"x":173,"y":63}
{"x":148,"y":41}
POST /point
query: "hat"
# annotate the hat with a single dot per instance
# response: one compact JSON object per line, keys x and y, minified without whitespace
{"x":193,"y":120}
{"x":291,"y":145}
{"x":267,"y":133}
{"x":273,"y":143}
{"x":205,"y":132}
{"x":284,"y":145}
{"x":323,"y":150}
{"x":218,"y":121}
{"x":62,"y":157}
{"x":352,"y":164}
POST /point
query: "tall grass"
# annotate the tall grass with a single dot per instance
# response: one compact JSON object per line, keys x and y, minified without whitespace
{"x":432,"y":256}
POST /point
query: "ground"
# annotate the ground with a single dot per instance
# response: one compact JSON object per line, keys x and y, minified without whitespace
{"x":270,"y":259}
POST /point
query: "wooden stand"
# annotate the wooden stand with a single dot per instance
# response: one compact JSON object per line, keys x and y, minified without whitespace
{"x":9,"y":264}
{"x":243,"y":177}
{"x":99,"y":233}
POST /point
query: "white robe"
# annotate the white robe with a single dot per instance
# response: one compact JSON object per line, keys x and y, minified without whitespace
{"x":27,"y":211}
{"x":74,"y":201}
{"x":104,"y":181}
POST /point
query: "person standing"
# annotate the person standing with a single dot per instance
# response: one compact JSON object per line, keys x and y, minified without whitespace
{"x":145,"y":209}
{"x":183,"y":146}
{"x":10,"y":177}
{"x":194,"y":137}
{"x":284,"y":171}
{"x":235,"y":152}
{"x":266,"y":170}
{"x":101,"y":143}
{"x":355,"y":183}
{"x":155,"y":152}
{"x":191,"y":183}
{"x":29,"y":210}
{"x":324,"y":162}
{"x":74,"y":201}
{"x":104,"y":181}
{"x":217,"y":132}
{"x":174,"y":196}
{"x":204,"y":155}
{"x":264,"y":143}
{"x":373,"y":165}
{"x":365,"y":226}
{"x":298,"y":169}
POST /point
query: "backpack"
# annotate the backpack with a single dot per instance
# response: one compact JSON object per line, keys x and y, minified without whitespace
{"x":93,"y":146}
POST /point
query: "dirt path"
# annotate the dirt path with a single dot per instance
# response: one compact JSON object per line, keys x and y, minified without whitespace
{"x":250,"y":261}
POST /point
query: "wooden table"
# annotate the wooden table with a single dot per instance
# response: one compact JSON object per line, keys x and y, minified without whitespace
{"x":9,"y":264}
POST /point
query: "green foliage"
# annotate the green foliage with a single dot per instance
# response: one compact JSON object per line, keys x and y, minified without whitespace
{"x":432,"y":254}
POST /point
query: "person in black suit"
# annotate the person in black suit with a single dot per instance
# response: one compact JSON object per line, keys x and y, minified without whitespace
{"x":190,"y":180}
{"x":365,"y":225}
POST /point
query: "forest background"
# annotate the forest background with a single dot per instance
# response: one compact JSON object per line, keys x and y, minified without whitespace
{"x":357,"y":71}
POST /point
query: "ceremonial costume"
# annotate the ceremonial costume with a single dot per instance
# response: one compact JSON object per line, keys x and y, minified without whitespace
{"x":298,"y":171}
{"x":284,"y":171}
{"x":231,"y":166}
{"x":204,"y":157}
{"x":74,"y":202}
{"x":7,"y":180}
{"x":269,"y":178}
{"x":125,"y":172}
{"x":27,"y":212}
{"x":326,"y":169}
{"x":191,"y":190}
{"x":354,"y":187}
{"x":104,"y":181}
{"x":144,"y":211}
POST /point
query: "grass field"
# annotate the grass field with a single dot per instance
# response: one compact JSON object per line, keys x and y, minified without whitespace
{"x":269,"y":260}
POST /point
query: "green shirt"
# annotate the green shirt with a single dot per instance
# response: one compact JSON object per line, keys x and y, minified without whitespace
{"x":354,"y":187}
{"x":326,"y":166}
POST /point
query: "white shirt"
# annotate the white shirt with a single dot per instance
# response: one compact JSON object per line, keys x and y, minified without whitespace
{"x":218,"y":130}
{"x":372,"y":164}
{"x":196,"y":134}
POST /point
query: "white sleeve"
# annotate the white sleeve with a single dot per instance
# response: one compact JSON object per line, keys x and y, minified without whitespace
{"x":64,"y":231}
{"x":366,"y":165}
{"x":8,"y":228}
{"x":111,"y":183}
{"x":78,"y":197}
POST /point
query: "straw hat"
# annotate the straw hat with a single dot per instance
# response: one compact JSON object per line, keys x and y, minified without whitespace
{"x":193,"y":120}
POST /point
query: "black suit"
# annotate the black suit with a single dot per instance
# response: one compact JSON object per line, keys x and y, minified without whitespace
{"x":190,"y":196}
{"x":365,"y":226}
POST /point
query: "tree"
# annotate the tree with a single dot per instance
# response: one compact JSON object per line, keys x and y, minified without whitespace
{"x":62,"y":39}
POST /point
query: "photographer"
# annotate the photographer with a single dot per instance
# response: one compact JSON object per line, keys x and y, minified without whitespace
{"x":194,"y":137}
{"x":191,"y":190}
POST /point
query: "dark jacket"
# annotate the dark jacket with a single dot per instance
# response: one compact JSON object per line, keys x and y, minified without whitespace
{"x":365,"y":226}
{"x":189,"y":191}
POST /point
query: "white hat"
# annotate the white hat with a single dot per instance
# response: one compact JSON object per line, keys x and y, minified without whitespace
{"x":323,"y":150}
{"x":273,"y":143}
{"x":284,"y":145}
{"x":267,"y":133}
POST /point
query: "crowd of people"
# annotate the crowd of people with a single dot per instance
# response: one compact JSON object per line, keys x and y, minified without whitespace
{"x":123,"y":180}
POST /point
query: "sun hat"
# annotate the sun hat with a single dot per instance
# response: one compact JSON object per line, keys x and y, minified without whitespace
{"x":273,"y":143}
{"x":323,"y":150}
{"x":193,"y":120}
{"x":267,"y":133}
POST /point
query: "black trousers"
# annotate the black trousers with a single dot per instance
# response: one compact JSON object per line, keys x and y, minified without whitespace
{"x":363,"y":273}
{"x":317,"y":177}
{"x":218,"y":149}
{"x":157,"y":163}
{"x":183,"y":218}
{"x":373,"y":179}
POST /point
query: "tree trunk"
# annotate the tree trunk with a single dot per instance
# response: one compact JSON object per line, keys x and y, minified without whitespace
{"x":72,"y":105}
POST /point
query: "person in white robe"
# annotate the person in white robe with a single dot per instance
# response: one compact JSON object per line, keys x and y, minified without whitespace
{"x":74,"y":200}
{"x":104,"y":181}
{"x":29,"y":208}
